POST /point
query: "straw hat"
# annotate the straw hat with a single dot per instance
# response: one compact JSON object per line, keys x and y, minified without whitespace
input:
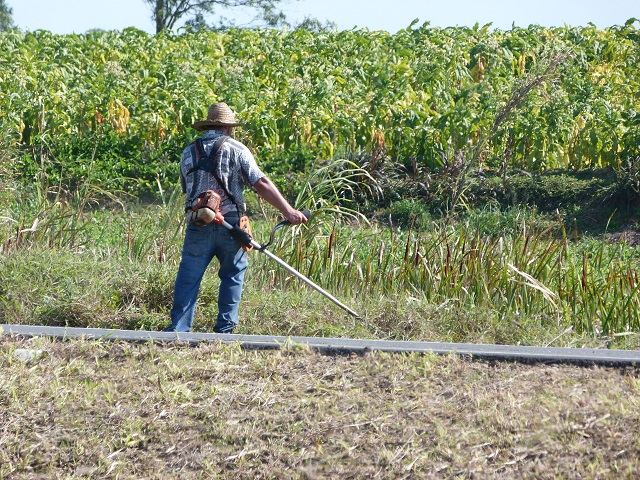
{"x":219,"y":115}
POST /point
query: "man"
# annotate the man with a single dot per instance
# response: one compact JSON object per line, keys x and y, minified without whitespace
{"x":234,"y":167}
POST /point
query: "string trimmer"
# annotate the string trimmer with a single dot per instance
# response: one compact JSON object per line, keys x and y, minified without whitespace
{"x":247,"y":240}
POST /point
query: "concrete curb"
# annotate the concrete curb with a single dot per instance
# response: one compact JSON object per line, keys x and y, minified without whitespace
{"x":576,"y":356}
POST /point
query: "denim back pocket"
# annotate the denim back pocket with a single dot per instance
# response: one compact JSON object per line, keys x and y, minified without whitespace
{"x":196,"y":241}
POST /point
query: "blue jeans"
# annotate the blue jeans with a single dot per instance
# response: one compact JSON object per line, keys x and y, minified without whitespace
{"x":201,"y":244}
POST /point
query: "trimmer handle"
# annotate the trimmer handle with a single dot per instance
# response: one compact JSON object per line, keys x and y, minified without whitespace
{"x":306,"y":213}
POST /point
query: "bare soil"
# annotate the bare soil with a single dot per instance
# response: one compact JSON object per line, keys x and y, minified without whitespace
{"x":116,"y":410}
{"x":632,"y":237}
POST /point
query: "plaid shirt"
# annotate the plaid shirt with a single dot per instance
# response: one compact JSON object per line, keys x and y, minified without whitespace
{"x":236,"y":168}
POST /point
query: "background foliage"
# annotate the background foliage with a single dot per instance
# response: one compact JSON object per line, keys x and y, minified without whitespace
{"x":121,"y":103}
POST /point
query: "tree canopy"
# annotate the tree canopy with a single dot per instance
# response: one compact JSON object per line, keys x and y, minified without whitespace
{"x":6,"y":19}
{"x":166,"y":13}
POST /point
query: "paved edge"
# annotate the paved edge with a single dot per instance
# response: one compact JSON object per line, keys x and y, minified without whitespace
{"x":577,"y":356}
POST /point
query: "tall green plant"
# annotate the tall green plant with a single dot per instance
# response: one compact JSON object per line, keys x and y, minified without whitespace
{"x":416,"y":97}
{"x":544,"y":73}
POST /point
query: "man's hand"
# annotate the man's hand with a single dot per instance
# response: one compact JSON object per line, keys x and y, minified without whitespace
{"x":296,"y":217}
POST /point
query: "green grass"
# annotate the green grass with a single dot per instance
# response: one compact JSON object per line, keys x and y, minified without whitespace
{"x":493,"y":277}
{"x":90,"y":258}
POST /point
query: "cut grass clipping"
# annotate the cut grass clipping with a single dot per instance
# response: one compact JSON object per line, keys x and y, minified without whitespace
{"x":129,"y":411}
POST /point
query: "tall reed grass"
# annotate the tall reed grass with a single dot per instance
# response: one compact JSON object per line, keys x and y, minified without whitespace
{"x":590,"y":285}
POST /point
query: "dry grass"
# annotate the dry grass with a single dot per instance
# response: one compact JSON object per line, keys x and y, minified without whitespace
{"x":116,"y":410}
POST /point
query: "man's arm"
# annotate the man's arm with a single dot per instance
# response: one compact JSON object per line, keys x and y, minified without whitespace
{"x":267,"y":190}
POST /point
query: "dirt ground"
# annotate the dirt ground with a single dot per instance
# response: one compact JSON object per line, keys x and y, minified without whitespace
{"x":126,"y":411}
{"x":632,"y":237}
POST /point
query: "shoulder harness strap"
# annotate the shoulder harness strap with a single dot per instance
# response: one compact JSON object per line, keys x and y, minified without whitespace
{"x":208,"y":163}
{"x":204,"y":162}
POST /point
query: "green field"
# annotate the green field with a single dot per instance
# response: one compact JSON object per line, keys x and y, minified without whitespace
{"x":467,"y":185}
{"x":118,"y":105}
